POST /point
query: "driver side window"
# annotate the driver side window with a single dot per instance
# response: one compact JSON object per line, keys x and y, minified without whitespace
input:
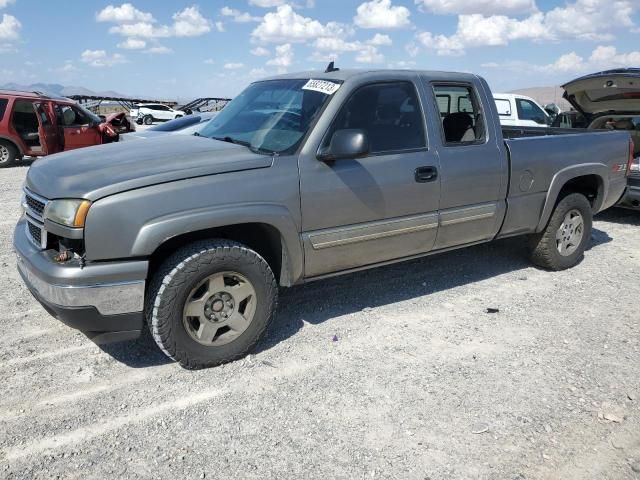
{"x":389,"y":113}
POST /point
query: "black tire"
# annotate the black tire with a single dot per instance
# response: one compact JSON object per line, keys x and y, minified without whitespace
{"x":178,"y":116}
{"x":147,"y":120}
{"x":8,"y":154}
{"x":545,"y":252}
{"x":172,"y":285}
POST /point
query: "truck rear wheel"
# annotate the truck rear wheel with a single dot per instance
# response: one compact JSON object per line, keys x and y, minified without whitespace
{"x":210,"y":303}
{"x":8,"y":154}
{"x":562,"y":243}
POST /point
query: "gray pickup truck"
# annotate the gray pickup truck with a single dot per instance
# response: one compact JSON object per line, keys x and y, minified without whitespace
{"x":301,"y":177}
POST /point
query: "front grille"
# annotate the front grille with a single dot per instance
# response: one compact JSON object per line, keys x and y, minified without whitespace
{"x":35,"y":205}
{"x":36,"y":233}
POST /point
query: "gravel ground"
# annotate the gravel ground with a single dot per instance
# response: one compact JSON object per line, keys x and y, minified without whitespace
{"x":398,"y":372}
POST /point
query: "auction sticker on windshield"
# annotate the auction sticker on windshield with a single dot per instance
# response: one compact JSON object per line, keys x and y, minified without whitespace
{"x":322,"y":86}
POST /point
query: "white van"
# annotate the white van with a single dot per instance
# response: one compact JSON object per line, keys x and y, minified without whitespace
{"x":520,"y":111}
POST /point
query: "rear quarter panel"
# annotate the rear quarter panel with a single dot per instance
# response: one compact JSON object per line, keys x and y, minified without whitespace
{"x":540,"y":166}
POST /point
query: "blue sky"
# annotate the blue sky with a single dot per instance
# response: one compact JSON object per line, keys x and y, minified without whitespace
{"x":215,"y":48}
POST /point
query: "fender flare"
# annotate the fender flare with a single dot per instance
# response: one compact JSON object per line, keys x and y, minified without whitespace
{"x":566,"y":174}
{"x":161,"y":229}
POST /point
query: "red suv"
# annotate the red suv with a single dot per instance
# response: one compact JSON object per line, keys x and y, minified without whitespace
{"x":34,"y":124}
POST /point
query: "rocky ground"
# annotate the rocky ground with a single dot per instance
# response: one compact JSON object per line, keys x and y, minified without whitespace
{"x":399,"y":372}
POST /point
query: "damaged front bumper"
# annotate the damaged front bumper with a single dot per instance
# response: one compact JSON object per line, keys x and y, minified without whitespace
{"x":104,"y":300}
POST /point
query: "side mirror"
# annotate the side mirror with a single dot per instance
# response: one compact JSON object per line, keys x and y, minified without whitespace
{"x":345,"y":144}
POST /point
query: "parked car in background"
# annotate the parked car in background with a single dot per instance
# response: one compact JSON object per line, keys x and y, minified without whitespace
{"x":520,"y":111}
{"x":148,"y":113}
{"x":35,"y":124}
{"x":302,"y":176}
{"x":180,"y":126}
{"x":610,"y":100}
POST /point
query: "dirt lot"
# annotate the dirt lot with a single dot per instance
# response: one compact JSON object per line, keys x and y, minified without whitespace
{"x":394,"y":373}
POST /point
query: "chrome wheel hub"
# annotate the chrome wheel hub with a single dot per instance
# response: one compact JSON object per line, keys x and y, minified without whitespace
{"x":570,"y":233}
{"x":4,"y":154}
{"x":219,"y":308}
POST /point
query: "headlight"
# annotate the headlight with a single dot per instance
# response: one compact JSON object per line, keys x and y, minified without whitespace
{"x":71,"y":213}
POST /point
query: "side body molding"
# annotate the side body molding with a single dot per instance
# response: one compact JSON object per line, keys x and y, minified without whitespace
{"x":160,"y":229}
{"x":566,"y":174}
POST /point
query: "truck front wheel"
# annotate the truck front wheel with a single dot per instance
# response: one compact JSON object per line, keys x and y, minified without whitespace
{"x":210,"y":302}
{"x":562,"y":243}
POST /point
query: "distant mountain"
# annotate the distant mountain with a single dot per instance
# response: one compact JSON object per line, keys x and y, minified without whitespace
{"x":64,"y":91}
{"x":544,"y":95}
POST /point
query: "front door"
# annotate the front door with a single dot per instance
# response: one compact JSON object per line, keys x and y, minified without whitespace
{"x":78,"y":129}
{"x":358,"y":212}
{"x":473,"y":167}
{"x":49,"y":137}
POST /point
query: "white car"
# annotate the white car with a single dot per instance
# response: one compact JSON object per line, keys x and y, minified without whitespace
{"x":520,"y":111}
{"x":148,"y":113}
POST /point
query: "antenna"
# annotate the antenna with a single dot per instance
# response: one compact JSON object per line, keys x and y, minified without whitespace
{"x":331,"y":68}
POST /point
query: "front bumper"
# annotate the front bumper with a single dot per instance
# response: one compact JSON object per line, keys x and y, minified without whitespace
{"x":104,"y":300}
{"x":631,"y":198}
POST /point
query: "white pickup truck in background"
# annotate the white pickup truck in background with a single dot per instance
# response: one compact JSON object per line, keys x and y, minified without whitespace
{"x":520,"y":111}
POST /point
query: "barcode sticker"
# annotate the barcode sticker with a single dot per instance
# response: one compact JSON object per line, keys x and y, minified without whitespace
{"x":322,"y":86}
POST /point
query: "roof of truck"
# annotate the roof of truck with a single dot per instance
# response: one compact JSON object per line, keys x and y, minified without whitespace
{"x":346,"y":74}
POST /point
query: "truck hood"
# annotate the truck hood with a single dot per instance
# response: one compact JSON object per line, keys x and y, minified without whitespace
{"x":609,"y":92}
{"x":103,"y":170}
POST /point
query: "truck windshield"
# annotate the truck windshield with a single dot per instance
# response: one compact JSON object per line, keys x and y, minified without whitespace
{"x":271,"y":116}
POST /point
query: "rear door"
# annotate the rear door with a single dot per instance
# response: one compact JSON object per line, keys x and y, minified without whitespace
{"x":364,"y":211}
{"x":49,"y":136}
{"x":473,"y":168}
{"x":77,"y":128}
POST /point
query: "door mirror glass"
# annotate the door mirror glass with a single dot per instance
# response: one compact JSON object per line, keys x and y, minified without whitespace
{"x":346,"y":144}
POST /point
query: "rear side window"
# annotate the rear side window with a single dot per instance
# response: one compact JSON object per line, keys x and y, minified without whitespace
{"x":463,"y":120}
{"x":389,"y":113}
{"x":504,"y":107}
{"x":528,"y":110}
{"x":3,"y":107}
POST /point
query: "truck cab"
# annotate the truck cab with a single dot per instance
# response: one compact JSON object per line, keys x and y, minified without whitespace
{"x":520,"y":111}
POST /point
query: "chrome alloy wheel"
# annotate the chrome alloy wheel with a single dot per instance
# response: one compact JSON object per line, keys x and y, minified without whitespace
{"x":4,"y":154}
{"x":219,"y":309}
{"x":570,"y":233}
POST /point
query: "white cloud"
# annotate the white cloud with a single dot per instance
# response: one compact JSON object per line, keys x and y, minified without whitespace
{"x":328,"y":48}
{"x":381,"y":14}
{"x":186,"y":23}
{"x":233,"y":66}
{"x":9,"y":27}
{"x":125,"y":13}
{"x":601,"y":58}
{"x":486,"y":7}
{"x":132,"y":44}
{"x":380,"y":40}
{"x":369,"y":54}
{"x":260,"y":52}
{"x":267,"y":3}
{"x":6,"y":3}
{"x":220,"y":27}
{"x":403,"y":64}
{"x":238,"y":16}
{"x":209,"y":61}
{"x":582,"y":19}
{"x":190,"y":23}
{"x":283,"y":58}
{"x":100,"y":58}
{"x":257,"y":72}
{"x":285,"y":25}
{"x":159,"y":50}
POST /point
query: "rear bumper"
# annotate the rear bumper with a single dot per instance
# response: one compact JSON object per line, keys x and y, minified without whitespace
{"x":103,"y":300}
{"x":631,"y":197}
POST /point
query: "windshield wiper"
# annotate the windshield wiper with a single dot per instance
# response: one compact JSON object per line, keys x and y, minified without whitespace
{"x":244,"y":143}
